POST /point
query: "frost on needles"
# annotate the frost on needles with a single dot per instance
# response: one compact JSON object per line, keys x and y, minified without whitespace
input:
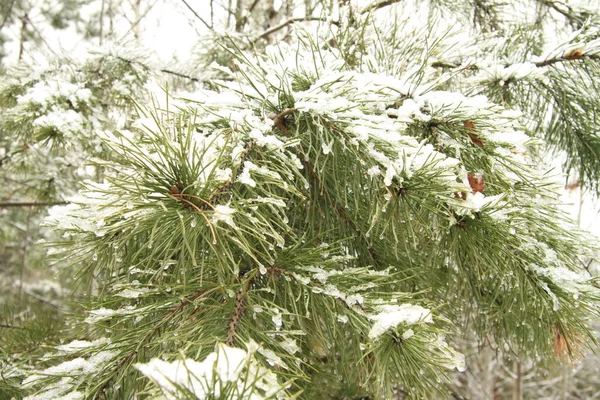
{"x":320,"y":226}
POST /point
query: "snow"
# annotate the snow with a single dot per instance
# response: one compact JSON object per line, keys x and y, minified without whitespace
{"x":290,"y":345}
{"x":272,"y":358}
{"x":354,"y":299}
{"x":44,"y":92}
{"x":222,"y":174}
{"x":565,"y":279}
{"x":78,"y":367}
{"x":517,"y":71}
{"x":223,"y":213}
{"x":390,"y":316}
{"x":277,"y":319}
{"x":106,"y":313}
{"x":77,"y":345}
{"x":245,"y":176}
{"x":67,"y":122}
{"x":374,"y":171}
{"x":269,"y":141}
{"x":57,"y":392}
{"x":268,"y":200}
{"x":134,"y":293}
{"x":407,"y":334}
{"x":229,"y":371}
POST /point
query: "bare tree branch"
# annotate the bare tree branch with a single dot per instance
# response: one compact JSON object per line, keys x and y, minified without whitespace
{"x":197,"y":16}
{"x":567,"y":12}
{"x":252,"y":6}
{"x":179,"y":74}
{"x":377,"y":6}
{"x":164,"y":70}
{"x":286,"y":23}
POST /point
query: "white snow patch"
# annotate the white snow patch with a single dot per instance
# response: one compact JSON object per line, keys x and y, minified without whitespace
{"x":226,"y":370}
{"x":390,"y":316}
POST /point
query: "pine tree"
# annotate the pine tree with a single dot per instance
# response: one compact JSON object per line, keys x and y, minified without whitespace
{"x":325,"y":217}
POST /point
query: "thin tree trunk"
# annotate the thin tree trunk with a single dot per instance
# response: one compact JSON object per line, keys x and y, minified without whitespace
{"x":23,"y":35}
{"x":136,"y":9}
{"x":518,"y":382}
{"x":101,"y":33}
{"x":488,"y":379}
{"x":239,"y":19}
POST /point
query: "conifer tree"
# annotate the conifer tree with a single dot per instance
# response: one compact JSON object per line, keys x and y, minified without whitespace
{"x":320,"y":218}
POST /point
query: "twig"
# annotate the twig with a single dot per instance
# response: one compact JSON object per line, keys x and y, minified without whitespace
{"x":567,"y":14}
{"x":166,"y":71}
{"x":573,"y":56}
{"x":33,"y":204}
{"x":377,"y":6}
{"x":240,"y":307}
{"x":179,"y":74}
{"x":279,"y":120}
{"x":563,"y":59}
{"x":197,"y":16}
{"x":286,"y":23}
{"x":133,"y":24}
{"x":10,"y":326}
{"x":40,"y":298}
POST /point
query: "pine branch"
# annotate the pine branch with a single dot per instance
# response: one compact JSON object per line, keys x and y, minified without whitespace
{"x":340,"y":211}
{"x":279,"y":122}
{"x":568,"y":57}
{"x":127,"y":359}
{"x":33,"y":204}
